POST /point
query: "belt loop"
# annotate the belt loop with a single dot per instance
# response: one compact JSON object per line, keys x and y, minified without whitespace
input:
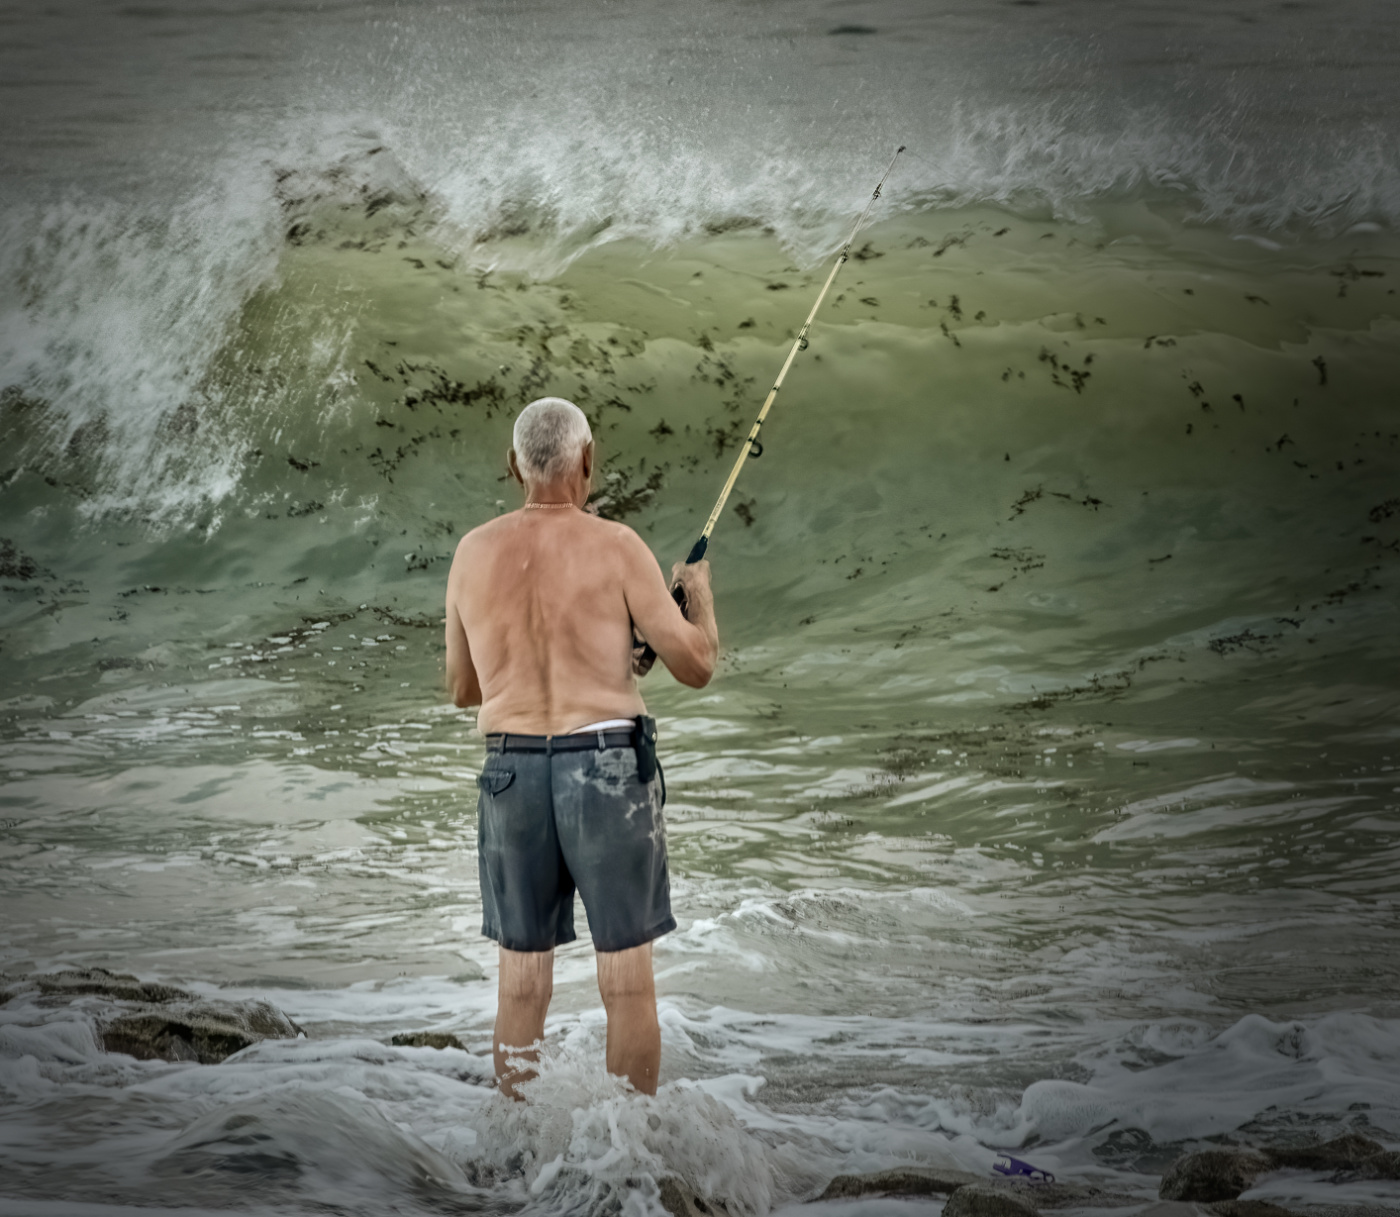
{"x":549,"y":746}
{"x":602,"y":743}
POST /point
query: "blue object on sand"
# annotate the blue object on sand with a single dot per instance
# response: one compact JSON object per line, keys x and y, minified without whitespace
{"x":1007,"y":1165}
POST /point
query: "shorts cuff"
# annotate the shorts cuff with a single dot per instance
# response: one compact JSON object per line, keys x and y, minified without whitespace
{"x":661,"y":927}
{"x":560,"y":939}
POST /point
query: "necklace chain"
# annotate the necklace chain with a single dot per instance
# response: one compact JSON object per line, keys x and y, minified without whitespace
{"x":544,"y":506}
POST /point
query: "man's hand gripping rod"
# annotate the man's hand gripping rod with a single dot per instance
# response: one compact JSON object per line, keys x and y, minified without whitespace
{"x":642,"y":655}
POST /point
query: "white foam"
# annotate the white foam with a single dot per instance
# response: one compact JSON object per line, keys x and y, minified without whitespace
{"x":582,"y":1130}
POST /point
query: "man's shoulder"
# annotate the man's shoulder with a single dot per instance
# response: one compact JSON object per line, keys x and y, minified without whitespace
{"x":485,"y":531}
{"x":595,"y":528}
{"x":483,"y":536}
{"x":612,"y":528}
{"x":615,"y":533}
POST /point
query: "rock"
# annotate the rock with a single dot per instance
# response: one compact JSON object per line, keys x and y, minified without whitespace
{"x":1247,"y":1208}
{"x":982,"y":1200}
{"x":1346,"y":1152}
{"x":1067,"y":1195}
{"x":207,"y":1032}
{"x":427,"y":1039}
{"x":159,"y":1022}
{"x":930,"y":1181}
{"x":1218,"y":1176}
{"x":1173,"y":1208}
{"x":1351,"y":1210}
{"x":1212,"y":1174}
{"x":681,"y":1201}
{"x":102,"y":983}
{"x":899,"y":1181}
{"x":1385,"y":1165}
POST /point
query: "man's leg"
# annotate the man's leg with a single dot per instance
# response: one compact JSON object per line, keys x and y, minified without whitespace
{"x":526,"y":985}
{"x":629,"y":996}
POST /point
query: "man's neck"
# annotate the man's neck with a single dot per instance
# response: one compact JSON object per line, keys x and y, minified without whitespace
{"x":569,"y":493}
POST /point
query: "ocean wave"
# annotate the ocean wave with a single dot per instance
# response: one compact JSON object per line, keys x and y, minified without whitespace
{"x":147,"y":344}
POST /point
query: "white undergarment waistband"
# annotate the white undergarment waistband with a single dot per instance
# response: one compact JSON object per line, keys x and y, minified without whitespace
{"x":606,"y":724}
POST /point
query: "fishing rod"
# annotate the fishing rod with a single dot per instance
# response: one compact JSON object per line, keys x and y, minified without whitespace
{"x":644,"y":655}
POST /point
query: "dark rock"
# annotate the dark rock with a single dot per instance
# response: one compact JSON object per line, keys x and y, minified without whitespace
{"x":1064,"y":1195}
{"x":900,"y":1181}
{"x":1351,"y":1210}
{"x":1212,"y":1174}
{"x":427,"y":1039}
{"x":102,"y":983}
{"x":982,"y":1200}
{"x":159,"y":1022}
{"x":1385,"y":1165}
{"x":681,"y":1201}
{"x":1248,"y":1208}
{"x":1172,"y":1208}
{"x":201,"y":1031}
{"x":1346,"y":1152}
{"x":930,"y":1181}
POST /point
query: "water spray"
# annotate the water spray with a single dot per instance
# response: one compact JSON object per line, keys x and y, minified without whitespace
{"x":644,"y":656}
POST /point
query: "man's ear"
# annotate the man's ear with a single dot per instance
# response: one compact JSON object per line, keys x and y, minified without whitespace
{"x":588,"y":460}
{"x":513,"y":466}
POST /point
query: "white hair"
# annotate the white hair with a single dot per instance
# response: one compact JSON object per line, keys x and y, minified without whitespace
{"x":549,"y":438}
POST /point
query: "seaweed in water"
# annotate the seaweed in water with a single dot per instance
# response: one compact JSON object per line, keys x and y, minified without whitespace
{"x":621,"y":496}
{"x":15,"y":564}
{"x":443,"y":391}
{"x":1023,"y":559}
{"x":1027,"y":498}
{"x":414,"y":621}
{"x":1107,"y":685}
{"x":1244,"y":640}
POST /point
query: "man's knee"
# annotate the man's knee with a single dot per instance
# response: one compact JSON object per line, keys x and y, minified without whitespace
{"x":527,"y":976}
{"x":624,"y":975}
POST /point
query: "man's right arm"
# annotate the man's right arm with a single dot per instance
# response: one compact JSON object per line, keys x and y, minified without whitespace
{"x":463,"y":684}
{"x":688,"y":648}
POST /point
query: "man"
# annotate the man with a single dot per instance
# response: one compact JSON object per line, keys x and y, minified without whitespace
{"x":541,"y":608}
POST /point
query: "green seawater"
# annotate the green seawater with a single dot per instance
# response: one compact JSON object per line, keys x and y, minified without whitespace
{"x":1047,"y":799}
{"x":1058,"y":616}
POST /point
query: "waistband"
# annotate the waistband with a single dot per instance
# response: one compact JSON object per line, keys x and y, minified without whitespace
{"x":605,"y":724}
{"x":550,"y":744}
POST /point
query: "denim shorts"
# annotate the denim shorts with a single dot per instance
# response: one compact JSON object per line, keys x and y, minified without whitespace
{"x":550,"y":824}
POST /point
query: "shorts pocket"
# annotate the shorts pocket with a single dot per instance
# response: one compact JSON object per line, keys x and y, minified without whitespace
{"x":493,"y":781}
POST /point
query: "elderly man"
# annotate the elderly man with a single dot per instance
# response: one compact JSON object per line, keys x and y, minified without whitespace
{"x":541,"y":608}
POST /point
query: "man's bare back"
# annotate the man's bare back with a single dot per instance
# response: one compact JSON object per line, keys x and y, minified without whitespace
{"x":541,"y":604}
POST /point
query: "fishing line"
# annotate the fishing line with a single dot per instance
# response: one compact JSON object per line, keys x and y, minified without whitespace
{"x":644,"y":656}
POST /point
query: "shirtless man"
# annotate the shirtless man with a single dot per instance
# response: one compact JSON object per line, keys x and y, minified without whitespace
{"x":541,"y":605}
